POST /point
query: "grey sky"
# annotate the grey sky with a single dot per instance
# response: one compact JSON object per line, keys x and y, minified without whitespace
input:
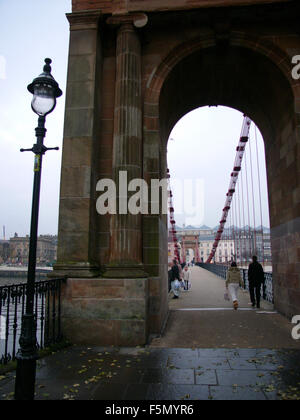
{"x":32,"y":30}
{"x":203,"y":146}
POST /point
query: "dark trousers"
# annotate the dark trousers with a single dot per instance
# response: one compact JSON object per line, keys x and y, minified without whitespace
{"x":264,"y":290}
{"x":255,"y":293}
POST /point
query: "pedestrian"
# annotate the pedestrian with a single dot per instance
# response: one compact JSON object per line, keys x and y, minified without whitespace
{"x":186,"y":277}
{"x":180,"y":270}
{"x":180,"y":275}
{"x":256,"y":277}
{"x":175,"y":277}
{"x":233,"y":282}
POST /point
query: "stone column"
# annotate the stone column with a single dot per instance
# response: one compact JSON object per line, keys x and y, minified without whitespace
{"x":77,"y":205}
{"x":126,"y":228}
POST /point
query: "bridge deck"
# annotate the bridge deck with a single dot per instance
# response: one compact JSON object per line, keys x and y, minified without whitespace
{"x":208,"y":292}
{"x":181,"y":371}
{"x":202,"y":318}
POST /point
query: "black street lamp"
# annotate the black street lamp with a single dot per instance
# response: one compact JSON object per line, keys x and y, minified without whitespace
{"x":45,"y":90}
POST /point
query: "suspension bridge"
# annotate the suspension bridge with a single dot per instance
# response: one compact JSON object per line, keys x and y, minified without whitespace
{"x":240,"y":229}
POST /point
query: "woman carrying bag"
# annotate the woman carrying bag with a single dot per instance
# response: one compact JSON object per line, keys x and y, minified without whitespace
{"x":186,"y":277}
{"x":233,"y":282}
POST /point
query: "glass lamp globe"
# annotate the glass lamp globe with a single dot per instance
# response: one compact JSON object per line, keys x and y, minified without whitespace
{"x":45,"y":90}
{"x":43,"y":101}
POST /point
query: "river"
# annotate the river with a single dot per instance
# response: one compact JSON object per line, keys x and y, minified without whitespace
{"x":12,"y":310}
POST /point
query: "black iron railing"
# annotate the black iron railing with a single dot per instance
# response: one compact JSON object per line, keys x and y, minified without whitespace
{"x":221,"y":271}
{"x":47,"y":310}
{"x":218,"y":269}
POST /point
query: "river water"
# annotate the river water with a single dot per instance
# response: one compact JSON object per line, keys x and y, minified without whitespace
{"x":9,"y":339}
{"x":8,"y":281}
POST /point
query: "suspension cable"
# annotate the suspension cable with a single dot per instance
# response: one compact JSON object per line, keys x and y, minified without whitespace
{"x":232,"y":185}
{"x":244,"y":220}
{"x":260,"y":202}
{"x":248,"y":208}
{"x":172,"y":228}
{"x":253,"y":200}
{"x":240,"y":222}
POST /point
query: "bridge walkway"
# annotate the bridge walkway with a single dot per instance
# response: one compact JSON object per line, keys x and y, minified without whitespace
{"x":208,"y":352}
{"x":201,"y":318}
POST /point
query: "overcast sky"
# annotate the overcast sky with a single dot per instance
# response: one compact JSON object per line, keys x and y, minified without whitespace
{"x":202,"y":147}
{"x":204,"y":141}
{"x":30,"y":31}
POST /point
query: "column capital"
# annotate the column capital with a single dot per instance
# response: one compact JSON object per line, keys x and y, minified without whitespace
{"x":139,"y":20}
{"x":83,"y":20}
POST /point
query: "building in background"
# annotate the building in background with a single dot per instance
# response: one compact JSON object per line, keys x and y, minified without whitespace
{"x":237,"y":244}
{"x":4,"y":251}
{"x":17,"y":250}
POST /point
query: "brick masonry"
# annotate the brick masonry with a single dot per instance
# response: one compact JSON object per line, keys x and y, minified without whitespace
{"x":190,"y":56}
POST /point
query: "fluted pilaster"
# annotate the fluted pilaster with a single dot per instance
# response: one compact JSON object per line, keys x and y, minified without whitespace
{"x":126,"y":231}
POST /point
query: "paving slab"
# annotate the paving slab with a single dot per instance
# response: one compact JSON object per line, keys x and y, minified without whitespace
{"x":207,"y":291}
{"x":202,"y":318}
{"x":107,"y":374}
{"x":207,"y":352}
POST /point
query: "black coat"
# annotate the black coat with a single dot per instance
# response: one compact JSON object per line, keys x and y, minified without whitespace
{"x":174,"y":272}
{"x":256,"y":274}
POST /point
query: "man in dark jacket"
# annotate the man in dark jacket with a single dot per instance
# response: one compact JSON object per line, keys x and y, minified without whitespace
{"x":256,"y":278}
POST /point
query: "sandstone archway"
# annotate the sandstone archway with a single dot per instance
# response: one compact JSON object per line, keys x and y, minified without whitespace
{"x":130,"y":78}
{"x":243,"y":75}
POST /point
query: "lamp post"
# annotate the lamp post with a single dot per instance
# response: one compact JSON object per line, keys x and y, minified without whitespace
{"x":45,"y":90}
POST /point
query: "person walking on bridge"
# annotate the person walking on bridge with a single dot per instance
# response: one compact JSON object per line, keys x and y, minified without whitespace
{"x":175,"y":279}
{"x":256,"y":277}
{"x":233,"y":282}
{"x":186,"y":277}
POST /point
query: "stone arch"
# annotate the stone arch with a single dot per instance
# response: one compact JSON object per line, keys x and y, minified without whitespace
{"x":263,"y":47}
{"x":237,"y":39}
{"x":276,"y":116}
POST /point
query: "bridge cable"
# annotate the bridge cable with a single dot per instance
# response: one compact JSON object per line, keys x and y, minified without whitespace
{"x":232,"y":185}
{"x":260,"y":201}
{"x":253,"y":200}
{"x":244,"y":220}
{"x":248,"y":206}
{"x":172,"y":228}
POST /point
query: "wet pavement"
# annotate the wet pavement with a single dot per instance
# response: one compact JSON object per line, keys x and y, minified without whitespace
{"x":201,"y":318}
{"x":80,"y":373}
{"x":207,"y":352}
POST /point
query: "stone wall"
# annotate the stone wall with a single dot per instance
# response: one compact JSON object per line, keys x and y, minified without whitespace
{"x":105,"y":311}
{"x":125,"y":6}
{"x":120,"y":70}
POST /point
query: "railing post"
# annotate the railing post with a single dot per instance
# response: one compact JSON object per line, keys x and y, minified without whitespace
{"x":12,"y":305}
